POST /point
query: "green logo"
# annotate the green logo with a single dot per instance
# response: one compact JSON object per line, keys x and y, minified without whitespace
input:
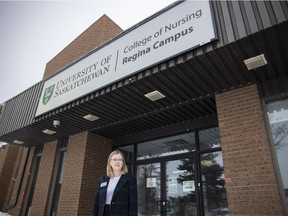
{"x":48,"y":94}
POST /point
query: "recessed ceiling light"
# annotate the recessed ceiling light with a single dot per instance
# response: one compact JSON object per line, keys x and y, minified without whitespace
{"x":91,"y":117}
{"x":255,"y":62}
{"x":154,"y":96}
{"x":18,"y":142}
{"x":50,"y":132}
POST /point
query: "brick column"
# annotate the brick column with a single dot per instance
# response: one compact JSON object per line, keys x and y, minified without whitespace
{"x":86,"y":161}
{"x":249,"y":170}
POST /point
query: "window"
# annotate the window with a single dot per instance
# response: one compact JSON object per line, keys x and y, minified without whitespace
{"x":59,"y":176}
{"x":180,"y":175}
{"x":209,"y":138}
{"x":213,"y":179}
{"x":167,"y":146}
{"x":277,"y":112}
{"x":33,"y":178}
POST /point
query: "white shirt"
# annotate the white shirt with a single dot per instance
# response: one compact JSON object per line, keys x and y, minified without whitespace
{"x":110,"y":189}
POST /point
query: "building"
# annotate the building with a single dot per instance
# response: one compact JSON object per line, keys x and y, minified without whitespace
{"x":195,"y":96}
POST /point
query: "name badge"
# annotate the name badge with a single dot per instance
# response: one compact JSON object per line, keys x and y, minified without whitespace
{"x":103,"y":184}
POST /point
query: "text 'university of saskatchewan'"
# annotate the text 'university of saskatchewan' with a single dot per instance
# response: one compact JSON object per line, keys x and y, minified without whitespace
{"x":82,"y":77}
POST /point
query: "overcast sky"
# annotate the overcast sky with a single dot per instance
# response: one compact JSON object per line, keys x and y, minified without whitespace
{"x":33,"y":32}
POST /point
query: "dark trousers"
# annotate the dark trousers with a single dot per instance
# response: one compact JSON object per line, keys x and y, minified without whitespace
{"x":107,"y":210}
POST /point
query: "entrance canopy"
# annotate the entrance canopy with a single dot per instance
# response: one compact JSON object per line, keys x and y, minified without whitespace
{"x":186,"y":83}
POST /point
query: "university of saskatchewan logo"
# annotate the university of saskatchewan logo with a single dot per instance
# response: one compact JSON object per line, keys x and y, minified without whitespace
{"x":48,"y":94}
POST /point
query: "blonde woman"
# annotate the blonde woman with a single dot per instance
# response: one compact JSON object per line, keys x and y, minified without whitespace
{"x":117,"y":192}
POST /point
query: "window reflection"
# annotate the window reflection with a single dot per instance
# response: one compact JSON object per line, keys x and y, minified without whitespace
{"x":181,"y":188}
{"x":214,"y":189}
{"x":277,"y":112}
{"x":209,"y":138}
{"x":148,"y":183}
{"x":167,"y":146}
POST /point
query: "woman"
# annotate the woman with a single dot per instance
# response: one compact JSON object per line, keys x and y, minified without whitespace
{"x":117,"y":192}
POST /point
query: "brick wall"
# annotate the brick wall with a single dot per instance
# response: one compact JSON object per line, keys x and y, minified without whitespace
{"x":97,"y":151}
{"x":42,"y":190}
{"x":87,"y":155}
{"x":98,"y":33}
{"x":249,"y":171}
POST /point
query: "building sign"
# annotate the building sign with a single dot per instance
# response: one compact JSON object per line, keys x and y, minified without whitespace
{"x":183,"y":27}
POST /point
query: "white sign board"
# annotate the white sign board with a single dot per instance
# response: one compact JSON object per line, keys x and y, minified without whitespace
{"x":187,"y":25}
{"x":151,"y":182}
{"x":188,"y":186}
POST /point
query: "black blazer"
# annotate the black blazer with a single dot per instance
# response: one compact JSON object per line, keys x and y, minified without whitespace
{"x":124,"y":199}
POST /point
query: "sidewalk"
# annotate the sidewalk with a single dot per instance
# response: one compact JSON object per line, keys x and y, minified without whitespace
{"x":4,"y":214}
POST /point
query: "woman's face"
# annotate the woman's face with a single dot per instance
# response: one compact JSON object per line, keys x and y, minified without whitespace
{"x":116,"y":163}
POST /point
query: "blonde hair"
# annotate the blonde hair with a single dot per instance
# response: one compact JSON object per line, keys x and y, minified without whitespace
{"x":109,"y":169}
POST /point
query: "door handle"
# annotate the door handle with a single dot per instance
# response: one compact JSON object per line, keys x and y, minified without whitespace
{"x":163,"y":205}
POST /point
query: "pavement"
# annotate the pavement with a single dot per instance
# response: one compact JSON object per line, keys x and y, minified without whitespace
{"x":4,"y":214}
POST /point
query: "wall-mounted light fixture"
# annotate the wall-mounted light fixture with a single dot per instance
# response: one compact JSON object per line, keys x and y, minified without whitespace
{"x":154,"y":96}
{"x":91,"y":117}
{"x":2,"y":146}
{"x":49,"y":132}
{"x":18,"y":142}
{"x":255,"y":62}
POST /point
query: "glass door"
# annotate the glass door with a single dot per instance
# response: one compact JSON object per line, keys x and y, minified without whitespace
{"x":181,"y":175}
{"x":167,"y":188}
{"x":180,"y":188}
{"x":149,"y":187}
